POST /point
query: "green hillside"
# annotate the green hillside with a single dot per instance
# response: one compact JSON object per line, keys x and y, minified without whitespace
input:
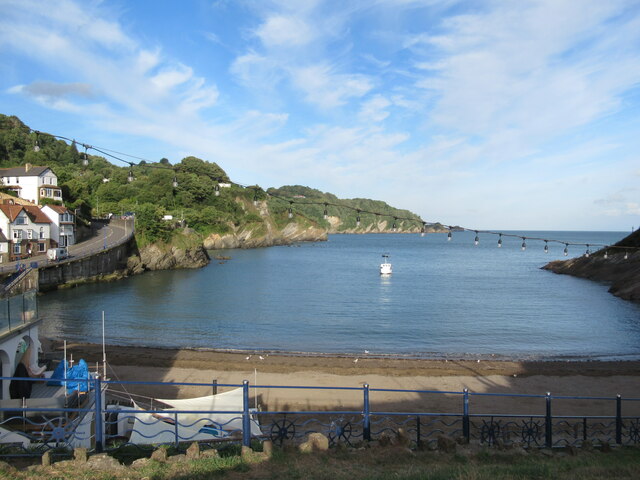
{"x":194,"y":190}
{"x":312,"y":204}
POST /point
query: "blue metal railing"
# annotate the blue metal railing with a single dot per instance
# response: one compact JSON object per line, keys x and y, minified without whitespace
{"x":48,"y":427}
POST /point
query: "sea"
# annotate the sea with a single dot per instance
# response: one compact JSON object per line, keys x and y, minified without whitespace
{"x":445,"y":299}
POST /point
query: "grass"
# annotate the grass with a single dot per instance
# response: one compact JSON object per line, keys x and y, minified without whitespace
{"x":371,"y":464}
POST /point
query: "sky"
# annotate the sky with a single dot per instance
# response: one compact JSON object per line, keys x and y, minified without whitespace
{"x":513,"y":115}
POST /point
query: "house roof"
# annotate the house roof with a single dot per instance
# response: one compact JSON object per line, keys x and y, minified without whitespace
{"x":23,"y":171}
{"x":58,"y":209}
{"x":36,"y":215}
{"x":11,"y":211}
{"x":3,"y":239}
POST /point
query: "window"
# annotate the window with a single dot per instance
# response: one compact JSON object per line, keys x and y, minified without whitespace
{"x":30,"y":234}
{"x":56,"y":193}
{"x":17,"y":249}
{"x":17,"y":234}
{"x":41,"y":233}
{"x":42,"y":247}
{"x":21,"y":220}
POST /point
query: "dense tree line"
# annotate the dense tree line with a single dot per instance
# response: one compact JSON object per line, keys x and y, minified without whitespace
{"x":201,"y":199}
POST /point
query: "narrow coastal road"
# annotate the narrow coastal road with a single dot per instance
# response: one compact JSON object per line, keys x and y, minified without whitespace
{"x":106,"y":235}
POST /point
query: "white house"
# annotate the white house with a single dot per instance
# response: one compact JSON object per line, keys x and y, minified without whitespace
{"x":31,"y":183}
{"x":4,"y":247}
{"x":27,"y":228}
{"x":62,"y":225}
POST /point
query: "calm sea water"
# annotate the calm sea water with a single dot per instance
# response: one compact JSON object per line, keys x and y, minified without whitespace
{"x":444,"y":299}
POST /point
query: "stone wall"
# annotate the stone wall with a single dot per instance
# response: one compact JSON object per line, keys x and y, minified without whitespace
{"x":109,"y":261}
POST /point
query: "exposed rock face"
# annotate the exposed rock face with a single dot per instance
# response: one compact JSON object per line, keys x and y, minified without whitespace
{"x":622,"y":274}
{"x":153,"y":257}
{"x":249,"y":239}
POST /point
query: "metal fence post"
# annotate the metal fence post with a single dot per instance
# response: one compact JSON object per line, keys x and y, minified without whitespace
{"x":176,"y":433}
{"x":246,"y":422}
{"x":548,"y":423}
{"x":214,"y":386}
{"x":619,"y":419}
{"x":366,"y":423}
{"x":99,"y":419}
{"x":465,"y":416}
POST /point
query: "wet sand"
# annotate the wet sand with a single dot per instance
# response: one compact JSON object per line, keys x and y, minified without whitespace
{"x":588,"y":378}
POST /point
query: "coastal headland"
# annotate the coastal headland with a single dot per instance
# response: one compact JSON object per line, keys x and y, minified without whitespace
{"x":561,"y":378}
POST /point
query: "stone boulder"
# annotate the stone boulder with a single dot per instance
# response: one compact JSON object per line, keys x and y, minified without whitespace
{"x":316,"y":442}
{"x":446,"y":444}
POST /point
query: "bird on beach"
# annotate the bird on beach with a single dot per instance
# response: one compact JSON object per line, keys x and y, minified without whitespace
{"x":261,"y":357}
{"x":356,"y":360}
{"x":366,"y":351}
{"x":247,"y":358}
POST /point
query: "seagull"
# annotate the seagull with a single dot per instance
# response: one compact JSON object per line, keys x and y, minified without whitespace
{"x":247,"y":358}
{"x":261,"y":357}
{"x":355,"y":361}
{"x":366,"y":351}
{"x":478,"y":361}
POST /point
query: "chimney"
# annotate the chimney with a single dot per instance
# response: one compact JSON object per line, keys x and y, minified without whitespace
{"x":27,"y":167}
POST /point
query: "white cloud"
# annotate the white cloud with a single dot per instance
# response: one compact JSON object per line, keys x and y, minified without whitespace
{"x":285,"y":31}
{"x":146,"y":60}
{"x":257,"y":72}
{"x":488,"y":115}
{"x":538,"y":67}
{"x":328,"y":89}
{"x":132,"y":79}
{"x":170,"y":78}
{"x":619,"y":204}
{"x":374,"y":109}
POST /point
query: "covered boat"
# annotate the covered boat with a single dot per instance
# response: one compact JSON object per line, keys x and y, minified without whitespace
{"x":191,"y":419}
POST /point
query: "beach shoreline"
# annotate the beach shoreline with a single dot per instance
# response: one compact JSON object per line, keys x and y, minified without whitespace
{"x":336,"y":382}
{"x":340,"y":364}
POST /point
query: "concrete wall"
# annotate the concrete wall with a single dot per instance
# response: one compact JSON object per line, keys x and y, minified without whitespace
{"x":102,"y":263}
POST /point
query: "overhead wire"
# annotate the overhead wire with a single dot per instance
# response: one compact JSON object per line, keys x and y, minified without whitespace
{"x":419,"y":221}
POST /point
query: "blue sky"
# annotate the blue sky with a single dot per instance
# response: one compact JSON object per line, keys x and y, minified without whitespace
{"x":486,"y":114}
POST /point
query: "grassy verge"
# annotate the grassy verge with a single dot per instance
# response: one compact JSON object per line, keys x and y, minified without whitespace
{"x":375,"y":464}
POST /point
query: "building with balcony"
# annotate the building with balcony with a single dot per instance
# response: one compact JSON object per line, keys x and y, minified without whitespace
{"x":31,"y":183}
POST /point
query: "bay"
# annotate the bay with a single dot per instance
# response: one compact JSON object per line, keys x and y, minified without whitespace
{"x":444,"y":299}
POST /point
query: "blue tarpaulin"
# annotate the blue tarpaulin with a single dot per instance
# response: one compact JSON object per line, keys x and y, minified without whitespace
{"x":78,"y":372}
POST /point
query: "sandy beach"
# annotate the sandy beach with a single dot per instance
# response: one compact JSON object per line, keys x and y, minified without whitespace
{"x":589,"y":378}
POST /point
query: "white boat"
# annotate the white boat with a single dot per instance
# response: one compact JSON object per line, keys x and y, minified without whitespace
{"x":185,"y":420}
{"x":385,"y":266}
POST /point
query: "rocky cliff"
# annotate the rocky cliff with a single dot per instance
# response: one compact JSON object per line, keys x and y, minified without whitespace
{"x":164,"y":257}
{"x":247,"y":238}
{"x":623,"y":275}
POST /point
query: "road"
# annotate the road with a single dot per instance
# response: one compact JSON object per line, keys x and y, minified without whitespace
{"x":106,"y":236}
